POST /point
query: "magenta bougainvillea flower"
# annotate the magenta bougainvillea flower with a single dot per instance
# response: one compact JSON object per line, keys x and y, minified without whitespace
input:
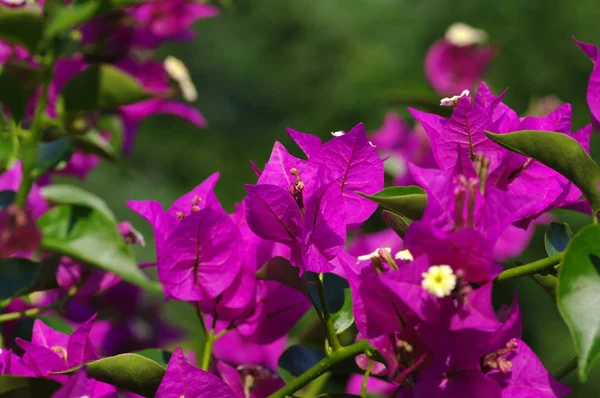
{"x":19,"y":234}
{"x":308,"y":204}
{"x":593,"y":91}
{"x":184,"y":379}
{"x":459,"y":60}
{"x":51,"y":351}
{"x":197,"y":244}
{"x":249,"y":381}
{"x":375,"y":386}
{"x":460,"y":141}
{"x":163,"y":20}
{"x":496,"y":364}
{"x":235,"y":349}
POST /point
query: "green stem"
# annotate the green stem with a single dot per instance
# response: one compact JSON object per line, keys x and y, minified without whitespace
{"x":566,"y":369}
{"x":12,"y":316}
{"x":322,"y":367}
{"x":200,"y":318}
{"x":363,"y":389}
{"x":331,"y":334}
{"x":531,"y":268}
{"x":208,"y":346}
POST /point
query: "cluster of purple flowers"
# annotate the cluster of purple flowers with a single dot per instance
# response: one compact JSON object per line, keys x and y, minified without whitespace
{"x":422,"y":302}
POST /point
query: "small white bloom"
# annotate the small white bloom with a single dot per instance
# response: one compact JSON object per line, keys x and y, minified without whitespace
{"x":463,"y":35}
{"x":179,"y":72}
{"x":439,"y":280}
{"x":15,"y":2}
{"x":404,"y":255}
{"x":373,"y":255}
{"x":451,"y":101}
{"x":337,"y":133}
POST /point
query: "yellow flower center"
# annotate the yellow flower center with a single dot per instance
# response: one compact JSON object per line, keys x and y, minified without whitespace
{"x":439,"y":280}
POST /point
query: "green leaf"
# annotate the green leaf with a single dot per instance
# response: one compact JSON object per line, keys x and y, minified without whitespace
{"x":159,"y":356}
{"x":15,"y":275}
{"x":26,"y":387}
{"x":343,"y":319}
{"x":131,"y":372}
{"x":559,"y":152}
{"x":51,"y":154}
{"x":395,"y":222}
{"x":578,"y":295}
{"x":279,"y":269}
{"x":339,"y":299}
{"x":12,"y":94}
{"x":404,"y":201}
{"x":92,"y":142}
{"x":102,"y":87}
{"x":89,"y":236}
{"x":65,"y":17}
{"x":557,"y":238}
{"x":89,"y":142}
{"x":63,"y":194}
{"x":21,"y":26}
{"x":297,"y":359}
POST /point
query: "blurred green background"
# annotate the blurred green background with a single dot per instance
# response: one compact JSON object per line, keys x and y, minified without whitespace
{"x":322,"y":66}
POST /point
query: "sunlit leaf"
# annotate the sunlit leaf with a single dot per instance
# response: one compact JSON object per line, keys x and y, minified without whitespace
{"x":159,"y":356}
{"x":74,"y":14}
{"x":405,"y":201}
{"x":131,"y":372}
{"x":63,"y":194}
{"x":578,"y":295}
{"x":89,"y":236}
{"x":559,"y":152}
{"x":102,"y":87}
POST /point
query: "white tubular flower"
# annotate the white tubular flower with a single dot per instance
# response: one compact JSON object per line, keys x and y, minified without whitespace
{"x":179,"y":72}
{"x":439,"y":280}
{"x":404,"y":255}
{"x":462,"y":35}
{"x":373,"y":255}
{"x":451,"y":101}
{"x":337,"y":133}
